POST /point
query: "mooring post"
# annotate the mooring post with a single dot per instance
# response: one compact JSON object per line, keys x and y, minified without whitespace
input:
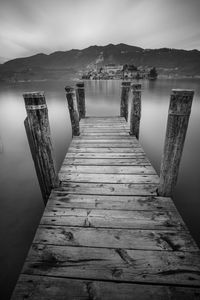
{"x":38,"y":133}
{"x":73,"y":110}
{"x":80,"y":94}
{"x":124,"y":99}
{"x":135,"y":114}
{"x":178,"y":118}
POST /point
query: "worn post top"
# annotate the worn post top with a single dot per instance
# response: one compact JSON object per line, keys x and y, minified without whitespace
{"x":136,"y":87}
{"x":80,"y":85}
{"x":69,"y":90}
{"x":34,"y":100}
{"x":126,"y":84}
{"x":181,"y":102}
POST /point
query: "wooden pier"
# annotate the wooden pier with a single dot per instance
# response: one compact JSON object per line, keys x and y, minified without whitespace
{"x":105,"y":233}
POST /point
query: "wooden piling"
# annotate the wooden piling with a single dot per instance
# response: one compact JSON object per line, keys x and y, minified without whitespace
{"x":80,"y":94}
{"x":38,"y":133}
{"x":124,"y":99}
{"x":178,"y":117}
{"x":135,"y":114}
{"x":73,"y":110}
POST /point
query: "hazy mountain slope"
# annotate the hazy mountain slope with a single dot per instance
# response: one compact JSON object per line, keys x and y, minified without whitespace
{"x":181,"y":62}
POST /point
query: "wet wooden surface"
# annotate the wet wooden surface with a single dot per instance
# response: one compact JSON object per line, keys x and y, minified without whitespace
{"x":105,"y":234}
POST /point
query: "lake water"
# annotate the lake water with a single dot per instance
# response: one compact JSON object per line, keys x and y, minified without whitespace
{"x":21,"y":204}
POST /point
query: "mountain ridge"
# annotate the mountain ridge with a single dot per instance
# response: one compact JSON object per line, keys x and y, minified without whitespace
{"x":166,"y":60}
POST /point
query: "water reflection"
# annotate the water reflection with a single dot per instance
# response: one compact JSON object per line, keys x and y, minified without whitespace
{"x":21,"y":204}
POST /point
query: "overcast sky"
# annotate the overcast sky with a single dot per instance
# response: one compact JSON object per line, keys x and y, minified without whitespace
{"x":28,"y":27}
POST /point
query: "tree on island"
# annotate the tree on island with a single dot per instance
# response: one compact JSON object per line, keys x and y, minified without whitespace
{"x":132,"y":68}
{"x":153,"y":73}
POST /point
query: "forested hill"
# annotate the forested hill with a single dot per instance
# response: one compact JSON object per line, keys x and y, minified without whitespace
{"x":167,"y":61}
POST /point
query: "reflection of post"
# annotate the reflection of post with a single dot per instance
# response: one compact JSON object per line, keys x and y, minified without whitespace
{"x":80,"y":94}
{"x":124,"y":99}
{"x":135,"y":114}
{"x":38,"y":133}
{"x":1,"y":146}
{"x":73,"y":110}
{"x":178,"y":117}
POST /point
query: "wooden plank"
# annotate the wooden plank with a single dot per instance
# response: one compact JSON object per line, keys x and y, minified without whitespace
{"x":105,"y":144}
{"x":107,"y":162}
{"x":123,"y":137}
{"x":107,"y":169}
{"x":106,"y":139}
{"x":106,"y":122}
{"x":100,"y":134}
{"x":78,"y":149}
{"x":105,"y":155}
{"x":108,"y":178}
{"x":110,"y":189}
{"x":44,"y":287}
{"x":164,"y":267}
{"x":149,"y":203}
{"x":111,"y":119}
{"x":115,"y":238}
{"x":106,"y":130}
{"x":106,"y":126}
{"x":112,"y":218}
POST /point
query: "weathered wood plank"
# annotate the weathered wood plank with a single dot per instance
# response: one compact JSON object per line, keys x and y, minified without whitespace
{"x":105,"y":144}
{"x":44,"y":287}
{"x":107,"y":162}
{"x":115,"y":238}
{"x":104,"y":130}
{"x":103,"y":136}
{"x":109,"y":178}
{"x":103,"y":122}
{"x":106,"y":126}
{"x":78,"y":149}
{"x":107,"y":169}
{"x":110,"y":189}
{"x":110,"y":202}
{"x":103,"y":119}
{"x":105,"y":155}
{"x":110,"y":134}
{"x":164,"y":267}
{"x":112,"y":218}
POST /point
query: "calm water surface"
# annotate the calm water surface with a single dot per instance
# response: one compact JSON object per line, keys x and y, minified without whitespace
{"x":21,"y":203}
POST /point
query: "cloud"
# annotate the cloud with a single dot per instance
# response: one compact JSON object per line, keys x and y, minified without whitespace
{"x":28,"y":27}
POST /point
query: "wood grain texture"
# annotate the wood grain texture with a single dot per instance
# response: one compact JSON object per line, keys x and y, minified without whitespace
{"x":68,"y":169}
{"x":38,"y":133}
{"x":125,"y":89}
{"x":121,"y":265}
{"x":115,"y":238}
{"x":80,"y":95}
{"x":44,"y":287}
{"x":178,"y":118}
{"x":118,"y":189}
{"x":139,"y":161}
{"x":135,"y":114}
{"x":73,"y":110}
{"x":149,"y":203}
{"x":109,"y":178}
{"x":113,"y":218}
